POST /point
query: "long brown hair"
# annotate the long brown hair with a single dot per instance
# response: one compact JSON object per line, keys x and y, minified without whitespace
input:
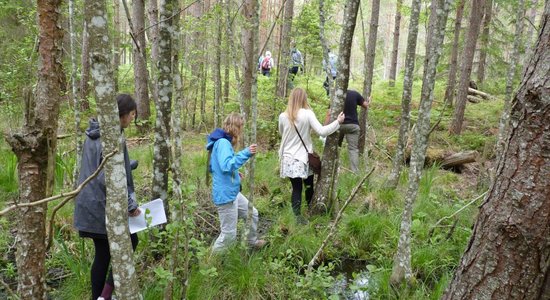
{"x":296,"y":100}
{"x":233,"y":125}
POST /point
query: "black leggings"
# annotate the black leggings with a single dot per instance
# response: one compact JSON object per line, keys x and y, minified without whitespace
{"x":100,"y":265}
{"x":297,"y":184}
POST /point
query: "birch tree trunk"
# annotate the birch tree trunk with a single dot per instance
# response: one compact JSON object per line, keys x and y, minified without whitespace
{"x":395,"y":49}
{"x":484,"y":41}
{"x":369,"y":71}
{"x":35,"y":148}
{"x":451,"y":81}
{"x":466,"y":68}
{"x":283,"y":62}
{"x":402,"y":261}
{"x":140,"y":63}
{"x":399,"y":157}
{"x":85,"y":69}
{"x":321,"y":202}
{"x":161,"y":150}
{"x":514,"y":60}
{"x":508,"y":254}
{"x":116,"y":212}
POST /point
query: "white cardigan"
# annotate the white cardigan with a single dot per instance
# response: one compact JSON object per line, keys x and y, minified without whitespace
{"x":305,"y":120}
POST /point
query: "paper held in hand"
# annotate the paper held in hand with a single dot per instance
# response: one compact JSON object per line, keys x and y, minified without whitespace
{"x":152,"y":212}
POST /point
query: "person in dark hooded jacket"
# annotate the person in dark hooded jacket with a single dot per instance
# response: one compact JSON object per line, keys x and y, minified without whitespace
{"x":224,"y":165}
{"x":89,"y":212}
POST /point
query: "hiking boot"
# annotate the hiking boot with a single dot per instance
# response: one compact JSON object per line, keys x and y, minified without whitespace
{"x":258,"y":244}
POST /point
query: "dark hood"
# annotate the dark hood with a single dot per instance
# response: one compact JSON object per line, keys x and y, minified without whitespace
{"x":217,"y":134}
{"x":93,"y":130}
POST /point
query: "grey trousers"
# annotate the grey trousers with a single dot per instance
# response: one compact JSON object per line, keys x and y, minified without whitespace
{"x":351,"y":132}
{"x":229,"y":214}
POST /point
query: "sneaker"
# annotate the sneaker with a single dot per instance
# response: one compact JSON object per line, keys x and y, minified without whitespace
{"x":258,"y":244}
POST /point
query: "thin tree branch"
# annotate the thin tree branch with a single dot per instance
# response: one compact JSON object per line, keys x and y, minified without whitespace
{"x":455,"y":213}
{"x":70,"y":195}
{"x":332,"y":229}
{"x":9,"y":290}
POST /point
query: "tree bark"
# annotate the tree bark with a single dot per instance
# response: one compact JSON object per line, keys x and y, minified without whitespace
{"x":249,"y":59}
{"x":161,"y":150}
{"x":410,"y":58}
{"x":217,"y":65}
{"x":402,"y":261}
{"x":117,"y":193}
{"x":369,"y":72}
{"x":116,"y":44}
{"x":514,"y":59}
{"x":466,"y":68}
{"x":35,"y":148}
{"x":85,"y":69}
{"x":75,"y":96}
{"x":395,"y":49}
{"x":283,"y":62}
{"x":321,"y":202}
{"x":508,"y":256}
{"x":451,"y":81}
{"x":140,"y":63}
{"x":484,"y":41}
{"x":153,"y":34}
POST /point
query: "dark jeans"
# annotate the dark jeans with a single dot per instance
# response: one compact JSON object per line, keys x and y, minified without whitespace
{"x":297,"y":184}
{"x":325,"y":84}
{"x":100,"y":266}
{"x":266,"y":72}
{"x":293,"y":71}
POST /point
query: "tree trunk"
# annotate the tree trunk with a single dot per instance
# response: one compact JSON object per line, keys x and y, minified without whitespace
{"x":75,"y":95}
{"x":116,"y":44}
{"x":466,"y":68}
{"x":321,"y":202}
{"x":117,"y":193}
{"x":283,"y":62}
{"x":398,"y":159}
{"x":484,"y":41}
{"x":85,"y":69}
{"x":217,"y":65}
{"x":395,"y":49}
{"x":161,"y":150}
{"x":153,"y":15}
{"x":451,"y":81}
{"x":514,"y":59}
{"x":369,"y":71}
{"x":438,"y":19}
{"x":35,"y":149}
{"x":249,"y":59}
{"x":140,"y":63}
{"x":508,"y":254}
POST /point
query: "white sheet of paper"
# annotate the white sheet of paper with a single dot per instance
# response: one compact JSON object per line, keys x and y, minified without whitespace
{"x":156,"y":213}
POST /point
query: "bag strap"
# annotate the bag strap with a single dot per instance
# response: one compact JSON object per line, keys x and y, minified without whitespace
{"x":300,"y":137}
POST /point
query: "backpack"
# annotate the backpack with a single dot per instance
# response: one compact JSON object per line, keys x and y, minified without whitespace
{"x":296,"y":58}
{"x":265,"y":63}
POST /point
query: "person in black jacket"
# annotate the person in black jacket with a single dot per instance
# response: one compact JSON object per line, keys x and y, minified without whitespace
{"x":89,"y":212}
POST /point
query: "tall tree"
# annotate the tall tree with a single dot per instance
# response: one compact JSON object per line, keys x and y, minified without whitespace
{"x":161,"y":150}
{"x":451,"y":81}
{"x":370,"y":53}
{"x":249,"y":58}
{"x":116,"y":42}
{"x":116,"y":214}
{"x":514,"y":60}
{"x":484,"y":41}
{"x":395,"y":49}
{"x":285,"y":49}
{"x":35,"y":148}
{"x":153,"y":35}
{"x":438,"y":19}
{"x":217,"y":65}
{"x":476,"y":15}
{"x":408,"y":79}
{"x":75,"y":96}
{"x":321,"y":202}
{"x":139,"y":56}
{"x":508,"y":254}
{"x":85,"y":69}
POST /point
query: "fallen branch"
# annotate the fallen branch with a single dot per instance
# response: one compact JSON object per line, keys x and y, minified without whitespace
{"x":473,"y":99}
{"x":455,"y":213}
{"x":62,"y":195}
{"x":459,"y":159}
{"x":481,"y":94}
{"x":338,"y":217}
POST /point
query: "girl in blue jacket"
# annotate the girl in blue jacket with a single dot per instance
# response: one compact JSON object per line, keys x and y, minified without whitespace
{"x":226,"y":181}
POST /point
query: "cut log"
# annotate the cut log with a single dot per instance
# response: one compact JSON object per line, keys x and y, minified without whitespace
{"x":480,"y":94}
{"x":459,"y":159}
{"x":473,"y":99}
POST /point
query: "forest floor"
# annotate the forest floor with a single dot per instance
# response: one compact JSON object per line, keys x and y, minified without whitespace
{"x":367,"y":235}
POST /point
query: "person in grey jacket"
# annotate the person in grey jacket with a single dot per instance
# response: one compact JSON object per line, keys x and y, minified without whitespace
{"x":89,"y":212}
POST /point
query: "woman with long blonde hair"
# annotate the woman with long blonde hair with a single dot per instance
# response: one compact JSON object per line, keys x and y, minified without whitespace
{"x":295,"y":124}
{"x":224,"y":165}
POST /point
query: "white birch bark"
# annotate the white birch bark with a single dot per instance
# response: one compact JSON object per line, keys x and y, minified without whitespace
{"x":116,"y":210}
{"x":402,"y":261}
{"x":408,"y":79}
